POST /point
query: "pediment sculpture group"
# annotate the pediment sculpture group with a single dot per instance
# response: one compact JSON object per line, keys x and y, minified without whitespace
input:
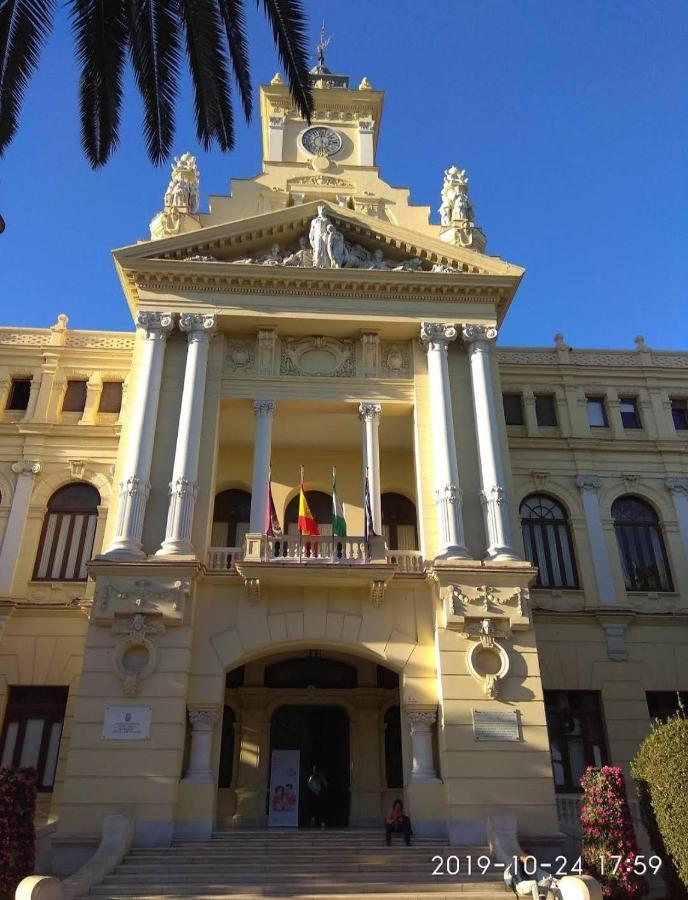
{"x":326,"y":248}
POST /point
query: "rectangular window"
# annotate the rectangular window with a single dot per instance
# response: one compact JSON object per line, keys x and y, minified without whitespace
{"x":111,"y":397}
{"x":576,"y":736}
{"x":628,"y":409}
{"x":679,"y":413}
{"x":664,"y":704}
{"x":513,"y":409}
{"x":75,"y":397}
{"x":597,"y":414}
{"x":19,"y":393}
{"x":32,"y":730}
{"x":545,"y":409}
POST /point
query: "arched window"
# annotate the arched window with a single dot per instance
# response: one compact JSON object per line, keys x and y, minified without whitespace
{"x":320,"y":505}
{"x":399,"y":522}
{"x":68,"y":531}
{"x":231,"y":518}
{"x":641,"y":547}
{"x":547,"y":541}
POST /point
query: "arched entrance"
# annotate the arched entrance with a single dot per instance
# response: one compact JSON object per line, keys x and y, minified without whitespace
{"x":338,"y":711}
{"x":320,"y":734}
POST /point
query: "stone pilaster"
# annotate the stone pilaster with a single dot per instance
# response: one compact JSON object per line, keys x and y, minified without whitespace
{"x":369,"y":414}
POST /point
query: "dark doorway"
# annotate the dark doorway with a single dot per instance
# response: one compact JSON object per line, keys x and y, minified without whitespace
{"x":321,"y":735}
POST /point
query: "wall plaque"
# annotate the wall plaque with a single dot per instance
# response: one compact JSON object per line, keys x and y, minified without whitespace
{"x":496,"y":725}
{"x":127,"y":723}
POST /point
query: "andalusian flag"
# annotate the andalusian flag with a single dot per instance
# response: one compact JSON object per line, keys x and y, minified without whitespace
{"x":338,"y":520}
{"x":307,"y":524}
{"x":272,"y":522}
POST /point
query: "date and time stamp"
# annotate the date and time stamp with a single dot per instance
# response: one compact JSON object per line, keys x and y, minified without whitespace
{"x":453,"y":864}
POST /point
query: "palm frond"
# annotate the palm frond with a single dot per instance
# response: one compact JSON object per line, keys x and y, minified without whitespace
{"x":100,"y":31}
{"x":154,"y":48}
{"x":205,"y":51}
{"x":24,"y":28}
{"x":288,"y":22}
{"x":232,"y":12}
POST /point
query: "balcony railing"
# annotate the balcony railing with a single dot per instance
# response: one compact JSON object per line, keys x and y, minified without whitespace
{"x":323,"y":550}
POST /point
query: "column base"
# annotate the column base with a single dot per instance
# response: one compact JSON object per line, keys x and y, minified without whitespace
{"x":424,"y":778}
{"x":454,"y":552}
{"x":124,"y":550}
{"x":198,"y":778}
{"x":177,"y":549}
{"x":502,"y":554}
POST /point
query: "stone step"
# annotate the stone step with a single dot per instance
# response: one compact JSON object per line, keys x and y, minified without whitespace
{"x":294,"y":890}
{"x":465,"y":892}
{"x":277,"y":877}
{"x":274,"y":872}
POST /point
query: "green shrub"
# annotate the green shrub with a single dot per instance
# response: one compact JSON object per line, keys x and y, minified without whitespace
{"x":660,"y":773}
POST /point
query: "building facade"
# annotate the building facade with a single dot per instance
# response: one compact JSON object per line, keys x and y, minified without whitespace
{"x":508,"y":605}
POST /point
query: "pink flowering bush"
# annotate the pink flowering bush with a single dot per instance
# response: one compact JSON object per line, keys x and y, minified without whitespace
{"x":17,"y":835}
{"x":608,"y":833}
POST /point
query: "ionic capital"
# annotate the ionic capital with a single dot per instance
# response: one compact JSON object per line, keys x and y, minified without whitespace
{"x":588,"y":482}
{"x":26,"y":467}
{"x":369,"y":411}
{"x":264,"y":407}
{"x":197,"y":325}
{"x":203,"y":719}
{"x":157,"y":325}
{"x":473,"y":333}
{"x":437,"y":335}
{"x":677,"y":486}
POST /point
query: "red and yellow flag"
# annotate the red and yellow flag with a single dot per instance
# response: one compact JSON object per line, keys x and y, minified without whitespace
{"x":307,"y":524}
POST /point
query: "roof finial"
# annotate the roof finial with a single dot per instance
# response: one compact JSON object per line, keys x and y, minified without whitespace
{"x":322,"y":45}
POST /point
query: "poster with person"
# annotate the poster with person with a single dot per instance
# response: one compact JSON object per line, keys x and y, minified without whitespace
{"x":284,"y":789}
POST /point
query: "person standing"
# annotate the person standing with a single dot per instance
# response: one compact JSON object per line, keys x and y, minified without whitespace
{"x":317,"y":785}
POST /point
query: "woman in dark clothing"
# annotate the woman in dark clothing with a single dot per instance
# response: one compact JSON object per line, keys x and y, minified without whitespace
{"x":397,"y":820}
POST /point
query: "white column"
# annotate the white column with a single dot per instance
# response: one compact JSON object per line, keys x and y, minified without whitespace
{"x":589,"y":486}
{"x":494,"y":498}
{"x":264,"y":410}
{"x":436,"y":337}
{"x":184,"y":485}
{"x":276,"y":138}
{"x":200,"y":769}
{"x":369,"y":414}
{"x":678,"y":488}
{"x":422,"y":723}
{"x":25,"y":470}
{"x":135,"y":488}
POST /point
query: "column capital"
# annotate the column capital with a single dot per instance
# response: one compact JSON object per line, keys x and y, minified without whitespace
{"x":264,"y":407}
{"x":204,"y":717}
{"x":369,"y":411}
{"x":473,"y":333}
{"x":677,"y":485}
{"x":588,"y":482}
{"x":196,"y":324}
{"x":437,"y":335}
{"x":420,"y":719}
{"x":157,"y":325}
{"x":26,"y":467}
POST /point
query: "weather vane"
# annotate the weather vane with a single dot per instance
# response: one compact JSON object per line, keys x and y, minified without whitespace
{"x":322,"y":46}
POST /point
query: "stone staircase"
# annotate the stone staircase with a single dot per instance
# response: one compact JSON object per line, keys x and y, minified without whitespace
{"x":331,"y":864}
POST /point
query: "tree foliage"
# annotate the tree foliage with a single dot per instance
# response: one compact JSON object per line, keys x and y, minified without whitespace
{"x":154,"y":35}
{"x":660,"y":773}
{"x":17,"y":836}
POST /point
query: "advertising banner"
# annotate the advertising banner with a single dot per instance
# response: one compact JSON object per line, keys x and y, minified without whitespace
{"x":284,"y":789}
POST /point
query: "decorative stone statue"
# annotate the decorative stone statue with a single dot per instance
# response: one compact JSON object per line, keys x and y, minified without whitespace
{"x":377,"y":261}
{"x":336,"y":249}
{"x":183,"y":190}
{"x":456,"y":205}
{"x":318,"y":239}
{"x":302,"y":257}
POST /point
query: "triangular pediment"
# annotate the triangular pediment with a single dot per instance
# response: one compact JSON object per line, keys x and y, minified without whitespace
{"x":264,"y":252}
{"x":250,"y":242}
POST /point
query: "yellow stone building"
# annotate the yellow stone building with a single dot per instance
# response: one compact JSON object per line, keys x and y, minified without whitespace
{"x":512,"y":607}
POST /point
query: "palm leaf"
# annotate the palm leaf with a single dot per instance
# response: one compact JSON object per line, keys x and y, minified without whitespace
{"x":208,"y":63}
{"x":289,"y":30}
{"x":24,"y":28}
{"x":100,"y":31}
{"x":232,"y":12}
{"x":155,"y":57}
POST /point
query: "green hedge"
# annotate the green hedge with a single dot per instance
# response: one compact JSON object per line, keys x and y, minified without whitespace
{"x":660,"y":773}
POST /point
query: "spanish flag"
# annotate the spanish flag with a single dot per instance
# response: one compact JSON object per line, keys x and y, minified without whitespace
{"x":307,"y":524}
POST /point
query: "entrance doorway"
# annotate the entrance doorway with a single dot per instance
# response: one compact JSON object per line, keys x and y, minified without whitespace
{"x":321,"y":735}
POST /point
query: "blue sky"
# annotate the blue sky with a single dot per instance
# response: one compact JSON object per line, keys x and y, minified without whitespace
{"x":571,"y":119}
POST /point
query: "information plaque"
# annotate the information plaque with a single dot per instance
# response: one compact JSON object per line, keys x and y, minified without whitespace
{"x":496,"y":725}
{"x":127,"y":723}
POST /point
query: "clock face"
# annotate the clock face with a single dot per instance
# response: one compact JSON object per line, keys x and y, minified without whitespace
{"x":321,"y":141}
